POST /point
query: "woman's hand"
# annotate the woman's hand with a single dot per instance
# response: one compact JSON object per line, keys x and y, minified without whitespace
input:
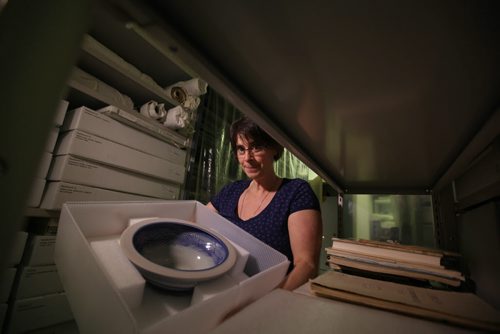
{"x":211,"y":207}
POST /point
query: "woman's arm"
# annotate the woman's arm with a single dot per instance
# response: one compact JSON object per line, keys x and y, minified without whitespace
{"x":305,"y":230}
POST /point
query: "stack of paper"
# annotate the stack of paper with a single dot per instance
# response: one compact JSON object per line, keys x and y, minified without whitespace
{"x":399,"y":262}
{"x":458,"y":308}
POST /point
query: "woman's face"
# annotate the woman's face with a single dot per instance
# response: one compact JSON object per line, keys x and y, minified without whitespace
{"x":255,"y":161}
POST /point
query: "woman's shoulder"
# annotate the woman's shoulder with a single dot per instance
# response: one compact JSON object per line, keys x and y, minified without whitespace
{"x":301,"y":194}
{"x":295,"y":183}
{"x":297,"y":187}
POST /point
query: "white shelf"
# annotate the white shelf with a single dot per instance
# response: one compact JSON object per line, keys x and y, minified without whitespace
{"x":103,"y":63}
{"x":93,"y":93}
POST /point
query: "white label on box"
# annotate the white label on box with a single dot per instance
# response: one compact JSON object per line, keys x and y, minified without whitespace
{"x":75,"y":170}
{"x":95,"y":148}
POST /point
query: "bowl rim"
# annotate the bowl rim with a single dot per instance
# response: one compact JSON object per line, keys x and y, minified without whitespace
{"x":126,"y":242}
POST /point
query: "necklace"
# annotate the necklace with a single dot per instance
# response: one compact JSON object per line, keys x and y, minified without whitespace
{"x":260,"y":204}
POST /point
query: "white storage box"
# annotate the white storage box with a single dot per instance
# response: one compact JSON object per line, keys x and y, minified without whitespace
{"x":90,"y":287}
{"x":37,"y":312}
{"x":106,"y":127}
{"x":40,"y":250}
{"x":75,"y":170}
{"x":143,"y":123}
{"x":86,"y":145}
{"x":58,"y":193}
{"x":38,"y":280}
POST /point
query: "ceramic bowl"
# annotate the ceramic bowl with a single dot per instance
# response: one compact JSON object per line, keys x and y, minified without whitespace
{"x":176,"y":254}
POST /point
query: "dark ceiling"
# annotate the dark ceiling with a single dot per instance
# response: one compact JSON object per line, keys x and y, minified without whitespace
{"x":378,"y":95}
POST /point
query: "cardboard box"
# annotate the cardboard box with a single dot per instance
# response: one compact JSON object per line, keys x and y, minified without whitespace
{"x":101,"y":125}
{"x":40,"y":250}
{"x":7,"y":281}
{"x":36,"y":193}
{"x":38,"y":312}
{"x":72,"y":169}
{"x":91,"y":288}
{"x":37,"y":281}
{"x":43,"y":166}
{"x":61,"y":113}
{"x":91,"y":147}
{"x":58,"y":193}
{"x":17,"y":249}
{"x":52,"y":139}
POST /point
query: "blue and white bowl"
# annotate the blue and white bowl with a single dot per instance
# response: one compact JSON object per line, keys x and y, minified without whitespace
{"x":176,"y":254}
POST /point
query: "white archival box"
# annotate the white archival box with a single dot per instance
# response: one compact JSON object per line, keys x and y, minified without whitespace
{"x":72,"y":169}
{"x":57,"y":193}
{"x":103,"y":126}
{"x":88,"y":146}
{"x":100,"y":305}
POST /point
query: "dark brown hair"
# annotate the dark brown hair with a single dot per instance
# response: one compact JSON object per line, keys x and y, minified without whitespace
{"x":246,"y":128}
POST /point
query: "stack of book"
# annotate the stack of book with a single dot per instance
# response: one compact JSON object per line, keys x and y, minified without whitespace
{"x":395,"y":262}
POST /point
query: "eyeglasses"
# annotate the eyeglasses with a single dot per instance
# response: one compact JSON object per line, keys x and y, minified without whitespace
{"x":254,"y":150}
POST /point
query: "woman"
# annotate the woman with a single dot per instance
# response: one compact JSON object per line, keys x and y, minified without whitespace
{"x":283,"y":213}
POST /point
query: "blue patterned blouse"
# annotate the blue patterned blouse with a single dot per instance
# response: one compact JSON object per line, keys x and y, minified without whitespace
{"x":271,"y":224}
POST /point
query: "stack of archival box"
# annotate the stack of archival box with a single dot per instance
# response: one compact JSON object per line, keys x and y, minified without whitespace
{"x":38,"y":299}
{"x":98,"y":158}
{"x":412,"y":280}
{"x":43,"y":167}
{"x":31,"y":294}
